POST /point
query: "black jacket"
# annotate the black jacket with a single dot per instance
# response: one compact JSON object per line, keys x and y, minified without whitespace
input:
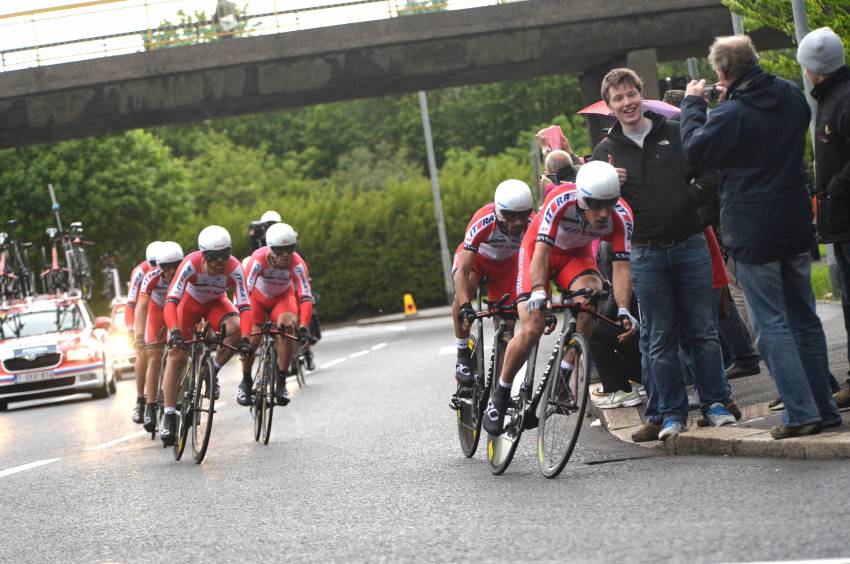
{"x":832,"y":156}
{"x":658,"y":186}
{"x":756,"y":139}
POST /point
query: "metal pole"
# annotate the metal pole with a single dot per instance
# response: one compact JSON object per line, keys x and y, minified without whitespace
{"x":438,"y":203}
{"x":534,"y":157}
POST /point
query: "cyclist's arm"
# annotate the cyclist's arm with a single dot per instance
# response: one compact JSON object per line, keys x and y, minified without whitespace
{"x":132,"y":294}
{"x":461,"y":275}
{"x":176,"y":290}
{"x":240,"y":298}
{"x":622,"y":274}
{"x":303,"y":290}
{"x":141,"y":314}
{"x":540,"y":267}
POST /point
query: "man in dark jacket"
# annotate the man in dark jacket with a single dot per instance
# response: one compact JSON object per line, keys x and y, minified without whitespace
{"x":756,"y":139}
{"x":821,"y":54}
{"x":670,"y":262}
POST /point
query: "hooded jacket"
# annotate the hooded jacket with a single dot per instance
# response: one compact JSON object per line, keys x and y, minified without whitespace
{"x":756,"y":140}
{"x":832,"y":156}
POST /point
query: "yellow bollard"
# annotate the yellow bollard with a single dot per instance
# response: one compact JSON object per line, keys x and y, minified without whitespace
{"x":409,"y":305}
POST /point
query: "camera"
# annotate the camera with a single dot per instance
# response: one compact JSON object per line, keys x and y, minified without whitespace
{"x":712,"y":92}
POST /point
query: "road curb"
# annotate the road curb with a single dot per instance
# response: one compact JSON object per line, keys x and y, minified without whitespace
{"x":443,"y":311}
{"x":748,"y":438}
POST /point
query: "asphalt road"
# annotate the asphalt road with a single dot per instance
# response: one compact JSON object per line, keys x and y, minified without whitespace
{"x":364,"y":465}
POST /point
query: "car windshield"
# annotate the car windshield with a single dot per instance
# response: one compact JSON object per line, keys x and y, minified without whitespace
{"x":28,"y":324}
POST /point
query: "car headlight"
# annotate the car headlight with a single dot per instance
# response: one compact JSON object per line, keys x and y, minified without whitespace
{"x":80,"y":353}
{"x":120,"y":346}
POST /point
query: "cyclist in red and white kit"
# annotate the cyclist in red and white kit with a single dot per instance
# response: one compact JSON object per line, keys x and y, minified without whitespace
{"x":489,"y":250}
{"x":279,"y":287}
{"x":559,"y":241}
{"x":198,"y":291}
{"x":140,"y":366}
{"x":150,"y":320}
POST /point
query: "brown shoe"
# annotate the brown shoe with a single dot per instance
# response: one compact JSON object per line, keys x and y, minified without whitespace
{"x":648,"y":432}
{"x":783,"y":432}
{"x":842,"y":396}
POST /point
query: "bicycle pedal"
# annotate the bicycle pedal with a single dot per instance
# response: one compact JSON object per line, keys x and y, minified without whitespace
{"x":454,"y":403}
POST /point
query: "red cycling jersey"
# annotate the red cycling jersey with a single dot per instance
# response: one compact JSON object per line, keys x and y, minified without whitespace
{"x":483,"y":236}
{"x":204,"y":295}
{"x":275,"y":289}
{"x":156,"y":289}
{"x":136,"y":277}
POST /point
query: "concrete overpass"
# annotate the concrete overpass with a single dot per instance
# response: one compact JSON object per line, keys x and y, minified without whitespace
{"x":229,"y":77}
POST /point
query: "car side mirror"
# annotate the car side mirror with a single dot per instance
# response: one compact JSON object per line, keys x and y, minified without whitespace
{"x":102,"y":322}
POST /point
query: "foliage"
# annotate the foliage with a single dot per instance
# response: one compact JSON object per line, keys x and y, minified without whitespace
{"x":192,"y":29}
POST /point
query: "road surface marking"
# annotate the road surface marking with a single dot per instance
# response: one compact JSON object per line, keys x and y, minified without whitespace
{"x":333,"y":362}
{"x":359,"y":353}
{"x":379,"y":346}
{"x":451,"y":349}
{"x":31,"y":465}
{"x":118,"y":440}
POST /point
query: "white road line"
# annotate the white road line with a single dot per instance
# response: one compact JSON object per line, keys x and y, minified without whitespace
{"x":31,"y":465}
{"x":451,"y":349}
{"x":220,"y":404}
{"x":333,"y":363}
{"x":379,"y":346}
{"x":118,"y":441}
{"x":359,"y":353}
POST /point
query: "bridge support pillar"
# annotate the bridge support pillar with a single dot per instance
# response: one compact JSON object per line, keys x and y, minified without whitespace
{"x":645,"y":63}
{"x":591,"y":84}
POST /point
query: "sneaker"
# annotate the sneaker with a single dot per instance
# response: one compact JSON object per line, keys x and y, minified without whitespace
{"x":693,"y":398}
{"x":494,"y":415}
{"x":463,"y":371}
{"x":671,"y":429}
{"x":842,"y":396}
{"x":243,"y":391}
{"x":639,"y":388}
{"x":620,"y":399}
{"x":648,"y":432}
{"x":783,"y":432}
{"x":281,"y":394}
{"x":168,"y":433}
{"x":718,"y":415}
{"x":776,"y":405}
{"x":150,"y":418}
{"x":308,"y":357}
{"x":731,"y":406}
{"x":735,"y":371}
{"x":139,"y":410}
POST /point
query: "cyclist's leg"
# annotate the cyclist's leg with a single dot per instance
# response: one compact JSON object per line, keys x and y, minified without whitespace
{"x":224,"y":315}
{"x":578,"y":271}
{"x":285,"y":312}
{"x":189,"y":312}
{"x":471,"y":285}
{"x":153,"y":328}
{"x":501,"y":280}
{"x":259,"y":312}
{"x":140,"y":369}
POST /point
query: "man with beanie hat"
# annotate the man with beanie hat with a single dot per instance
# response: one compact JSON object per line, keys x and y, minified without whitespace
{"x":821,"y":54}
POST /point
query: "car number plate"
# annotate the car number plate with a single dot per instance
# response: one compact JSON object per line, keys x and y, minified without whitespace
{"x":34,"y":376}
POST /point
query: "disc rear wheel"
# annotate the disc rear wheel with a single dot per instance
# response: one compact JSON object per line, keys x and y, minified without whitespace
{"x":469,"y":402}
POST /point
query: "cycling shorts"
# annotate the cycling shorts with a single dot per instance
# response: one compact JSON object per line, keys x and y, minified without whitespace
{"x":190,"y":311}
{"x":501,"y":275}
{"x":566,"y":266}
{"x":262,"y":306}
{"x":154,"y":325}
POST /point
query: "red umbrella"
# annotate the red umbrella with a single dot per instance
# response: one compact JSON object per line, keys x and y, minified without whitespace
{"x":601,"y":109}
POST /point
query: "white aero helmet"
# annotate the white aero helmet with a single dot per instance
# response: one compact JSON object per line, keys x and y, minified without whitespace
{"x":168,"y":252}
{"x":512,"y":196}
{"x":213,"y":238}
{"x":150,"y":251}
{"x":281,"y":235}
{"x":270,"y":216}
{"x":597,"y":180}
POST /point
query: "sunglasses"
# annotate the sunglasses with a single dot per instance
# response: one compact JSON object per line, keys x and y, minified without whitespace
{"x":169,"y":266}
{"x":597,"y":205}
{"x":217,"y":256}
{"x":288,"y":249}
{"x":515,"y":215}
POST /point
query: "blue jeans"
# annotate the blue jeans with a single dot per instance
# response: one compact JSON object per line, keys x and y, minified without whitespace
{"x":673,"y":287}
{"x":790,"y":336}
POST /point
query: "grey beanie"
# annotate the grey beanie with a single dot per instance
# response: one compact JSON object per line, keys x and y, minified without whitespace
{"x":821,"y":52}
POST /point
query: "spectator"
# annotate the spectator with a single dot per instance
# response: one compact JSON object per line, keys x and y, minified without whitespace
{"x":756,"y":139}
{"x":225,"y":18}
{"x":557,"y":169}
{"x":821,"y":54}
{"x":670,"y":262}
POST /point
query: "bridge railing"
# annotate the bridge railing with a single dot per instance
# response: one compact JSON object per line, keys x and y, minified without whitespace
{"x":101,"y":28}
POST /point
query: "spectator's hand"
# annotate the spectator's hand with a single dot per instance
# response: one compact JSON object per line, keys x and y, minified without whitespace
{"x":628,"y":322}
{"x":537,"y":304}
{"x":244,"y":347}
{"x":303,"y":335}
{"x":466,"y":315}
{"x":696,"y":88}
{"x":621,"y":172}
{"x":175,"y":339}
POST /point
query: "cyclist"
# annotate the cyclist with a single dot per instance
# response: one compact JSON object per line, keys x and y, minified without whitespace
{"x":257,"y":229}
{"x":559,"y":241}
{"x":140,"y":366}
{"x":198,"y":291}
{"x":279,"y":287}
{"x":149,"y":319}
{"x":489,"y":250}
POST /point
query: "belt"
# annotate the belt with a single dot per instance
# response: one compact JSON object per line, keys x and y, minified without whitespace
{"x":662,"y":243}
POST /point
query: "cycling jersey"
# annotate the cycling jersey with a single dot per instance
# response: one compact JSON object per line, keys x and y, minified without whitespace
{"x":136,"y":277}
{"x":269,"y":285}
{"x":154,"y":286}
{"x":483,"y":236}
{"x":206,"y":295}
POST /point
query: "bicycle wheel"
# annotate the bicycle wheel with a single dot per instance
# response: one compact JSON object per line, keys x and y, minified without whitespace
{"x":204,"y":408}
{"x":562,"y":408}
{"x":297,"y":364}
{"x":257,"y":388}
{"x":469,"y":406}
{"x":501,"y":449}
{"x":267,"y":392}
{"x":185,"y":408}
{"x":159,"y":404}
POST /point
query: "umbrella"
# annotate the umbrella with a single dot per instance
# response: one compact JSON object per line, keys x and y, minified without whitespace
{"x":657,"y":106}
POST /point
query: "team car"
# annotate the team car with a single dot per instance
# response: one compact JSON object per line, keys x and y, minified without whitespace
{"x":119,"y":344}
{"x":50,"y":346}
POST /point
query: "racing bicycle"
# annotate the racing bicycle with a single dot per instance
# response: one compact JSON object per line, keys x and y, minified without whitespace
{"x":265,"y":380}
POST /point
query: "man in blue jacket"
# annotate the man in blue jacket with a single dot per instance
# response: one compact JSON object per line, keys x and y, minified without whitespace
{"x":756,"y":140}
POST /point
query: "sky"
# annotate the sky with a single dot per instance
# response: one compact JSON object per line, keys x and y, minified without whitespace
{"x":122,"y":16}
